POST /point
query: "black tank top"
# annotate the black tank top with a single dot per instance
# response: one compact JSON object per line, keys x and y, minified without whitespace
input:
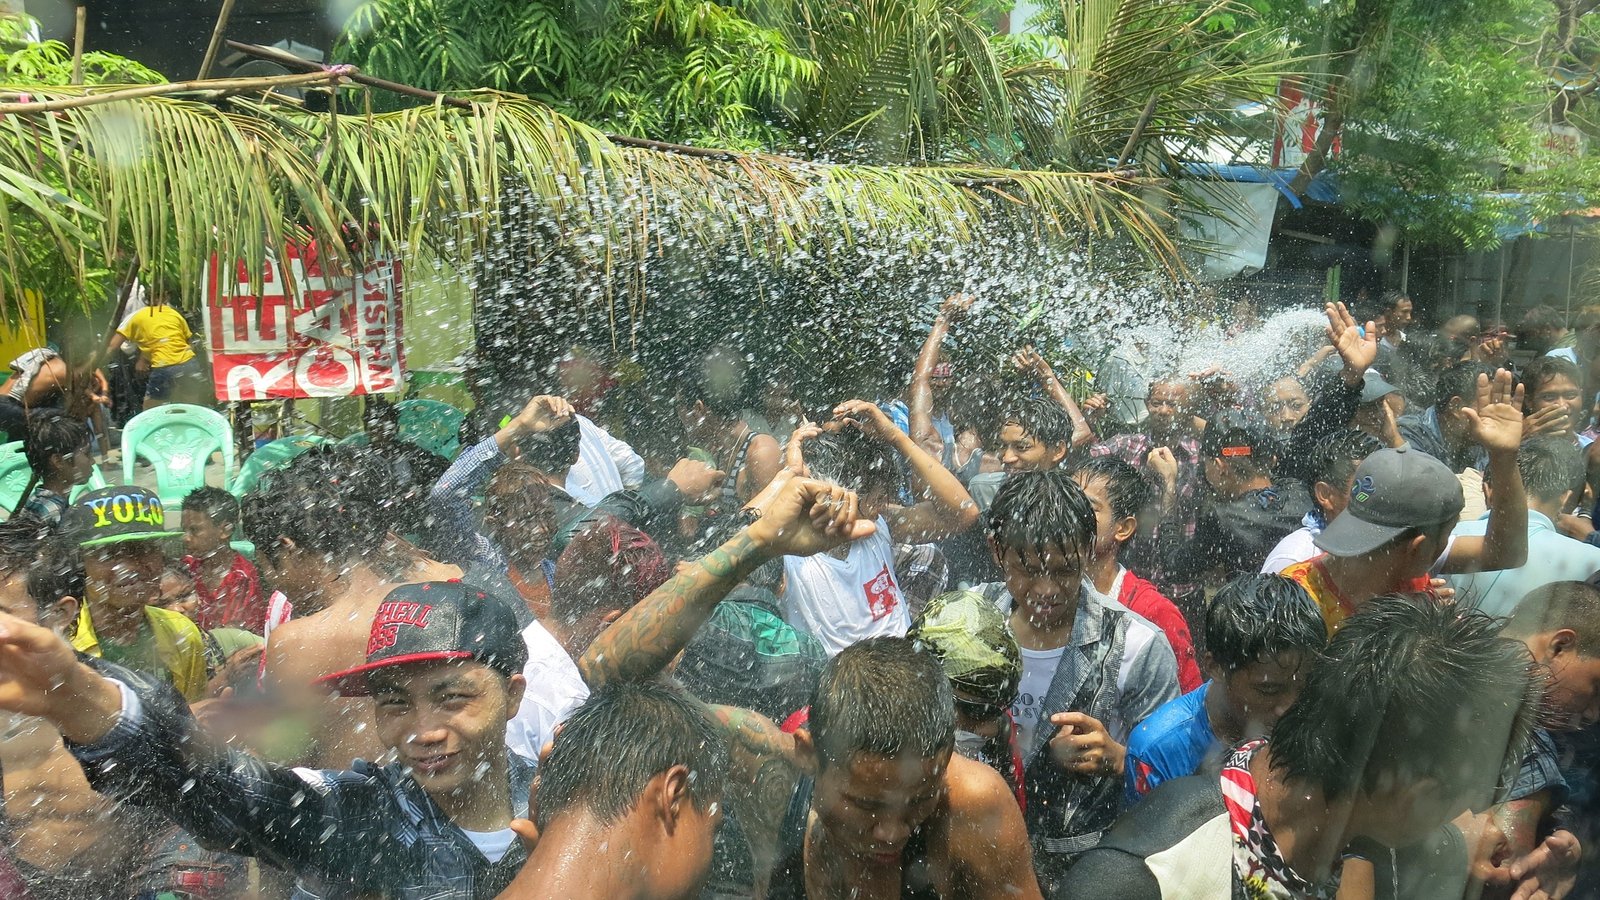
{"x":789,"y":878}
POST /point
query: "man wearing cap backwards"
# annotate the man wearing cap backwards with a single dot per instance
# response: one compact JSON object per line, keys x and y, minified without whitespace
{"x":119,"y":532}
{"x":444,"y":669}
{"x":1395,"y":532}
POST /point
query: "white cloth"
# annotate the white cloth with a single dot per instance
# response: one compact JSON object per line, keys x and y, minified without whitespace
{"x":842,"y":601}
{"x":605,"y":465}
{"x":27,"y":368}
{"x":1038,"y":669}
{"x":492,"y":844}
{"x":555,"y":689}
{"x":1296,"y":547}
{"x":1552,"y":557}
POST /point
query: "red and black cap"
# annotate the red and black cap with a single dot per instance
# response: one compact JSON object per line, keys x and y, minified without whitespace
{"x":436,"y":621}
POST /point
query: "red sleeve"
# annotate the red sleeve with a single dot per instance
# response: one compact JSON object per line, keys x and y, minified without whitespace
{"x":1145,"y":599}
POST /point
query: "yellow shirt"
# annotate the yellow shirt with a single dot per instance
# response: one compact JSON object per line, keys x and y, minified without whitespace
{"x":178,"y":642}
{"x":161,"y":333}
{"x":1336,"y":607}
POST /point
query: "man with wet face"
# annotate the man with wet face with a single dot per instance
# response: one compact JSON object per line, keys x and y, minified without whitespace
{"x":1262,"y":631}
{"x":871,"y":801}
{"x":118,"y":533}
{"x":642,"y":824}
{"x":444,"y":671}
{"x":1371,"y":756}
{"x":1554,"y":400}
{"x":1091,"y":670}
{"x":57,"y":449}
{"x":1332,"y":473}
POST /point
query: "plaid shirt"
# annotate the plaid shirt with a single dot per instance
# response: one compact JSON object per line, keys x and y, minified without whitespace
{"x":237,"y":601}
{"x":46,"y":505}
{"x":367,"y":830}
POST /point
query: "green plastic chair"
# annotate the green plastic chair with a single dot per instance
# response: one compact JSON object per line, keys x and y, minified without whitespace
{"x":431,"y":425}
{"x":14,"y":477}
{"x":177,"y":440}
{"x":269,"y":456}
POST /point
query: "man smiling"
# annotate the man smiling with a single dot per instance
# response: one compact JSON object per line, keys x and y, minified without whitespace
{"x":444,"y":666}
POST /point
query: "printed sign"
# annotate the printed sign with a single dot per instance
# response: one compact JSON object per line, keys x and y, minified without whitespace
{"x":306,"y":333}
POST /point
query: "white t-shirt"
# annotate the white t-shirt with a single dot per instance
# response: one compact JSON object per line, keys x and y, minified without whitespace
{"x":492,"y":844}
{"x":842,"y":601}
{"x":605,"y":465}
{"x":1296,"y":547}
{"x":1038,"y":668}
{"x":555,"y":689}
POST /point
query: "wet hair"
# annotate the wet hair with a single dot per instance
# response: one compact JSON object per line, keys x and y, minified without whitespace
{"x":518,"y":514}
{"x":1460,"y":380}
{"x":1043,"y":420}
{"x":607,"y":565}
{"x":1127,"y":490}
{"x":1545,"y":369}
{"x":724,"y":400}
{"x":1335,"y":457}
{"x":49,"y":435}
{"x":1543,"y":318}
{"x":20,"y":538}
{"x":322,"y":514}
{"x":1234,"y":440}
{"x":1550,"y":466}
{"x":1391,"y":299}
{"x":1560,"y":604}
{"x":854,"y":461}
{"x":1045,"y":512}
{"x":218,"y":505}
{"x":553,"y":451}
{"x":883,"y":696}
{"x":57,"y":571}
{"x":1410,"y":689}
{"x":640,"y":730}
{"x":1260,"y":617}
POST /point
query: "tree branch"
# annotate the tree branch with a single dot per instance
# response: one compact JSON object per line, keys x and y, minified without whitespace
{"x":221,"y":85}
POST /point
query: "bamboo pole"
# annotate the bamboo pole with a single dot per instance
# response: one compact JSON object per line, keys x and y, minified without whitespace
{"x":216,"y":39}
{"x":218,"y":85}
{"x":78,"y":29}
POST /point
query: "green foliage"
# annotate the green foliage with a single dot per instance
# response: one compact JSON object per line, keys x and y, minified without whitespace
{"x":679,"y":70}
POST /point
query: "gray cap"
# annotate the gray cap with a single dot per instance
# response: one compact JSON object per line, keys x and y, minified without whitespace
{"x":1374,"y":387}
{"x":1393,"y":490}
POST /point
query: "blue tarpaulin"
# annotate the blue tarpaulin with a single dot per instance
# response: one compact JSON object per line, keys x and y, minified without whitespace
{"x":1323,"y":188}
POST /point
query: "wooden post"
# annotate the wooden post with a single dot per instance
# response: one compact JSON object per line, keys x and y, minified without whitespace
{"x":216,"y":39}
{"x":77,"y":44}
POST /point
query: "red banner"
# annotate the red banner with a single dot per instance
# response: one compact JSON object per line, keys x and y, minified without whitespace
{"x":306,"y":333}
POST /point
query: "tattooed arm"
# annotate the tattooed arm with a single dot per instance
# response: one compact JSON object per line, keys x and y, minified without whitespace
{"x":765,"y":767}
{"x":795,"y":516}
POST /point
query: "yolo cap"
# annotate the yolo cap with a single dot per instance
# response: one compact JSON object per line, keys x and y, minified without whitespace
{"x":436,"y":621}
{"x":1393,"y":490}
{"x":116,"y":514}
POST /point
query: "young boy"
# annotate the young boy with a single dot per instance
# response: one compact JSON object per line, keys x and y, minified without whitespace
{"x":57,"y":449}
{"x":227,"y":585}
{"x":1262,"y":631}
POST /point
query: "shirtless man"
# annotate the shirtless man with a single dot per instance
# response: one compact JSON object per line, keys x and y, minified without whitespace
{"x":63,"y":839}
{"x":871,"y":802}
{"x":321,"y":536}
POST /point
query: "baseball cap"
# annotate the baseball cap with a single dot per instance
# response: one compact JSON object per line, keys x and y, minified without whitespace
{"x":1394,"y":490}
{"x":1230,"y":435}
{"x":436,"y":621}
{"x":1374,"y":387}
{"x":114,"y":515}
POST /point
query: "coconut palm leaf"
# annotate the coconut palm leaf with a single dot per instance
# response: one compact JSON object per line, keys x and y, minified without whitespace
{"x":176,"y":182}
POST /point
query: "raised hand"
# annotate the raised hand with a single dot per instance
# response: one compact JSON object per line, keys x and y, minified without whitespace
{"x":696,"y":480}
{"x":1550,"y":419}
{"x":794,"y":457}
{"x":545,"y":412}
{"x":1083,"y":746}
{"x":867,"y":417}
{"x":1357,"y":350}
{"x":1030,"y":363}
{"x":956,"y":305}
{"x":40,"y":676}
{"x":801,"y":516}
{"x":1496,"y":416}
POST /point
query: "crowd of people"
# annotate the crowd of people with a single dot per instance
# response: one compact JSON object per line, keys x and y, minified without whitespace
{"x":1333,"y":633}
